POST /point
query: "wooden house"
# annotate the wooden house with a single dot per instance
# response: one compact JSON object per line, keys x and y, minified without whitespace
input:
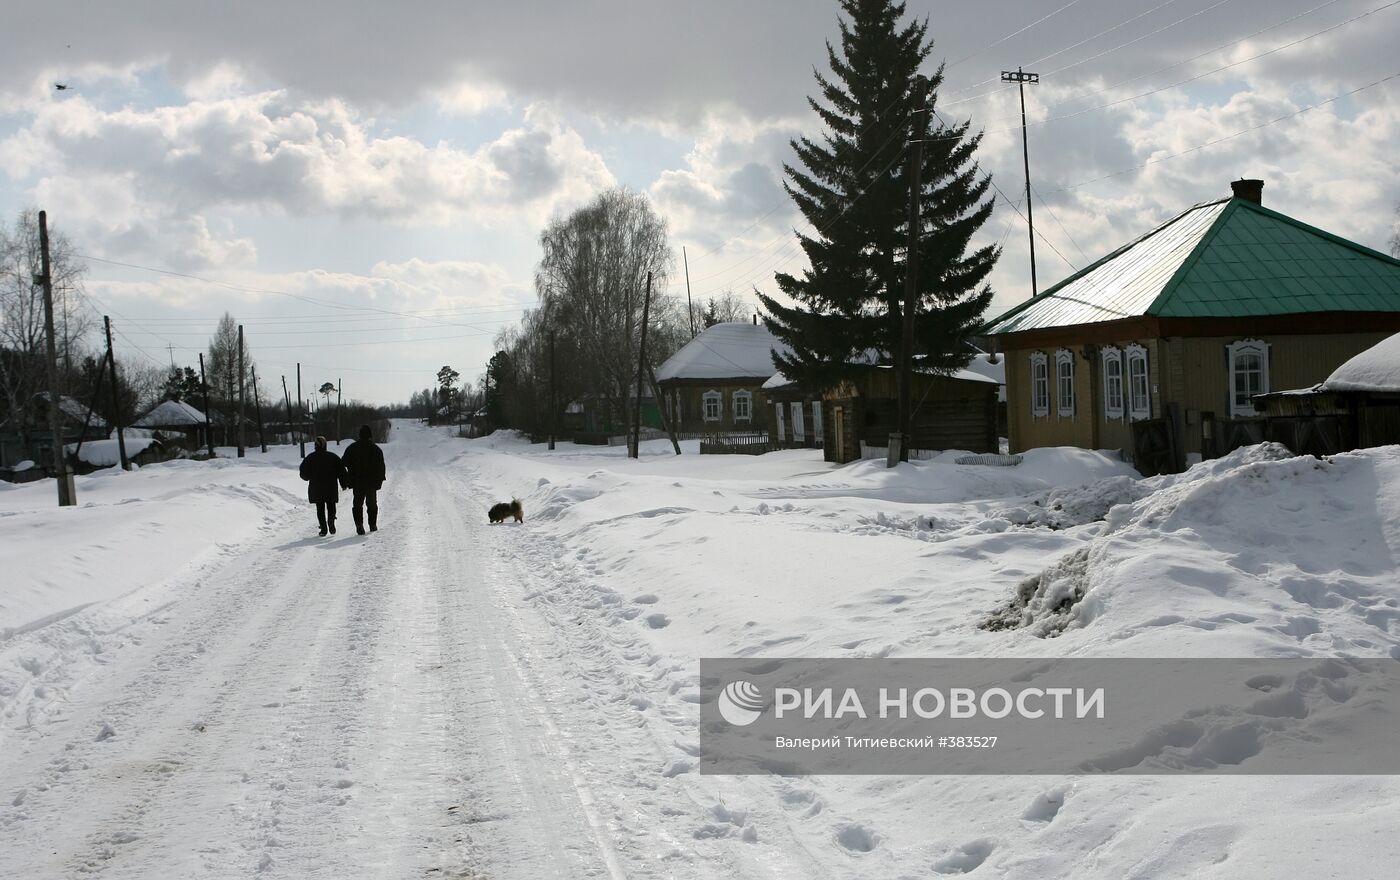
{"x":950,"y":412}
{"x":1155,"y":348}
{"x":177,"y":421}
{"x":35,"y":443}
{"x":714,"y":384}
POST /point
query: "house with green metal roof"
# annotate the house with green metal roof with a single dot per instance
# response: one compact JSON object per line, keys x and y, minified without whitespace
{"x":1151,"y":347}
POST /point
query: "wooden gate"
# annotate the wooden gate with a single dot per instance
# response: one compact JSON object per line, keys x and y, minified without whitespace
{"x":1154,"y":447}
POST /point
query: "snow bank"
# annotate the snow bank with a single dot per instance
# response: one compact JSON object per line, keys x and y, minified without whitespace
{"x":1256,"y":554}
{"x":1375,"y":369}
{"x":132,"y":529}
{"x":1288,"y":555}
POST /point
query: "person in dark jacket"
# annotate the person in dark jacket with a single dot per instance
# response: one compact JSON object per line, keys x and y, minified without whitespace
{"x":323,"y":471}
{"x":364,"y":467}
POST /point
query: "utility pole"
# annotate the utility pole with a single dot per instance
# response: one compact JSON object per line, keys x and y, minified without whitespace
{"x":337,"y":411}
{"x":553,"y":395}
{"x":918,"y":128}
{"x":257,"y":407}
{"x":67,"y":492}
{"x":116,"y":400}
{"x":641,"y":365}
{"x":689,"y":306}
{"x":288,"y":398}
{"x":208,"y":426}
{"x":1020,"y":77}
{"x":241,"y":387}
{"x":661,"y":409}
{"x":301,"y":419}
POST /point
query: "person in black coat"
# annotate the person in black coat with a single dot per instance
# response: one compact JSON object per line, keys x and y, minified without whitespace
{"x":323,"y":471}
{"x":364,"y":467}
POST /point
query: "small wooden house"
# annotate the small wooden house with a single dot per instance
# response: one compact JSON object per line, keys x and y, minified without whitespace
{"x":176,"y":420}
{"x":1157,"y":347}
{"x":1358,"y":406}
{"x":714,"y":384}
{"x":35,"y":442}
{"x":950,"y":412}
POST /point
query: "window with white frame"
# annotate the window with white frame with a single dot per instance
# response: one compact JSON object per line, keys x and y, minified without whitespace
{"x":817,"y":432}
{"x":1249,"y":374}
{"x":1040,"y":384}
{"x":743,"y":406}
{"x":799,"y":432}
{"x":778,"y":410}
{"x":1112,"y":360}
{"x":1139,"y":391}
{"x":676,"y":407}
{"x":1064,"y":382}
{"x":714,"y":406}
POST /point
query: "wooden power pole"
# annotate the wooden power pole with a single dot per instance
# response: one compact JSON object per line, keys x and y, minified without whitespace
{"x":241,"y":387}
{"x":288,"y":398}
{"x":208,"y":426}
{"x":689,"y":304}
{"x":641,"y":365}
{"x":553,"y":395}
{"x":899,"y":442}
{"x":257,"y":407}
{"x":67,"y":492}
{"x":116,"y":400}
{"x":301,"y":419}
{"x":338,"y":383}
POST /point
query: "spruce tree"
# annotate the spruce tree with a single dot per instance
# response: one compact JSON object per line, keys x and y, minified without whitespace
{"x":852,"y":186}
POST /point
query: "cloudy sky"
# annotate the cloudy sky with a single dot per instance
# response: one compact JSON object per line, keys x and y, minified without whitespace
{"x":363,"y":184}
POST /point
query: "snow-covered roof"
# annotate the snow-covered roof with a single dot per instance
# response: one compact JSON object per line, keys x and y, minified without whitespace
{"x":75,"y":410}
{"x":171,"y":414}
{"x":1375,"y":369}
{"x":105,"y":453}
{"x":982,"y":363}
{"x":735,"y":350}
{"x":777,"y":380}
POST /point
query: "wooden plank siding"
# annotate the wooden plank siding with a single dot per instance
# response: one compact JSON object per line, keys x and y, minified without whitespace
{"x":691,"y":395}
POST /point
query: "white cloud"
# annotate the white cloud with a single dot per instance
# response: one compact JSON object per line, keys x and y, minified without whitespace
{"x":141,"y":175}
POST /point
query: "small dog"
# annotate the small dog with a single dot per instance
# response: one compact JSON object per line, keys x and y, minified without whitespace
{"x":500,"y":512}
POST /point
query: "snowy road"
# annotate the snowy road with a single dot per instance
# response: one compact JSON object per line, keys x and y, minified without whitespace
{"x":347,"y":707}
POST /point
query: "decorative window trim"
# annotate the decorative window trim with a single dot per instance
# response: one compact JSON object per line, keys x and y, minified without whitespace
{"x":1111,"y":360}
{"x":799,"y":423}
{"x":818,"y":428}
{"x":1040,"y":384}
{"x":718,"y":400}
{"x":778,"y":408}
{"x":676,"y":405}
{"x":1234,"y":352}
{"x":744,"y":413}
{"x":1064,"y":384}
{"x":1139,"y":405}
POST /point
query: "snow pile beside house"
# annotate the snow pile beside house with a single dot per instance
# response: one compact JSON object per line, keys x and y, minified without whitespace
{"x":1290,"y":554}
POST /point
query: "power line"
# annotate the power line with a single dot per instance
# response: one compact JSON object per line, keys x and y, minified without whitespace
{"x":995,"y":43}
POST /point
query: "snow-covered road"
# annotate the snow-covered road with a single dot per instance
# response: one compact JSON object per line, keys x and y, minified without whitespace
{"x":345,"y":707}
{"x":193,"y":685}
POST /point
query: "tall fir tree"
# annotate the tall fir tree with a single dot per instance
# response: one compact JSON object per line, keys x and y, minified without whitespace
{"x":853,"y":185}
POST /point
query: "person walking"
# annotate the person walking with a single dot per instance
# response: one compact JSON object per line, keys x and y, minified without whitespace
{"x":324,"y":472}
{"x":364,"y":466}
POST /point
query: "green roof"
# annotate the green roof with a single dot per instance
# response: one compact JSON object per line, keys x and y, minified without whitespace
{"x":1227,"y":259}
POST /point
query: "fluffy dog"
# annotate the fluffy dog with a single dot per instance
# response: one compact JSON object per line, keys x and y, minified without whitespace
{"x":500,"y":512}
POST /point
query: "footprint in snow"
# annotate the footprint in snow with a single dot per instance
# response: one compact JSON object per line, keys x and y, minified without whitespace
{"x":658,"y":621}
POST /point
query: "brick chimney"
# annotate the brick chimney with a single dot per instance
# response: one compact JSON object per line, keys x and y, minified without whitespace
{"x":1249,"y":190}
